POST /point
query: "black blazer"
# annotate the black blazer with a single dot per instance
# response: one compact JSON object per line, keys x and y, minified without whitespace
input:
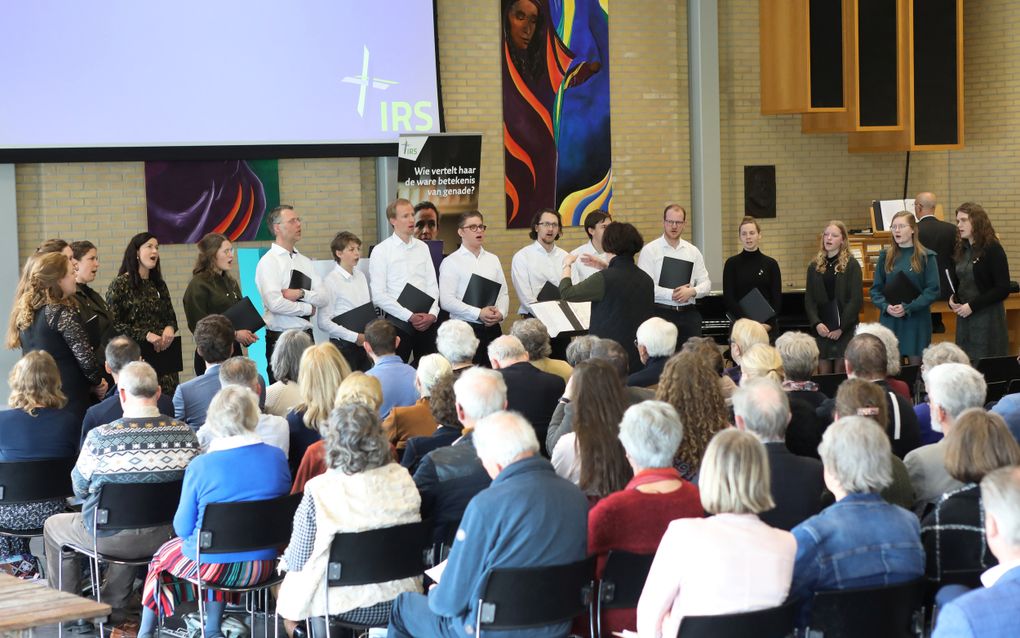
{"x":940,"y":237}
{"x":849,"y":295}
{"x":418,"y":446}
{"x":533,"y":393}
{"x":991,"y":274}
{"x":649,"y":375}
{"x":797,"y":487}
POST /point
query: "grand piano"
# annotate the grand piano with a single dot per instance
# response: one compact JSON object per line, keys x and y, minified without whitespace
{"x":715,"y":324}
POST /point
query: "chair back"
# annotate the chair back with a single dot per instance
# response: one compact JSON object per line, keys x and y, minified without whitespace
{"x":523,"y":597}
{"x":26,"y":481}
{"x":999,"y":368}
{"x":910,"y":374}
{"x":996,"y":390}
{"x":135,"y":505}
{"x":1013,"y":387}
{"x":828,"y":384}
{"x":623,"y":578}
{"x":247,"y":526}
{"x":776,"y":622}
{"x":378,"y":555}
{"x":890,"y":611}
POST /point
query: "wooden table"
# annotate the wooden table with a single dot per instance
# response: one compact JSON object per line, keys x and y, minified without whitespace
{"x":26,"y":604}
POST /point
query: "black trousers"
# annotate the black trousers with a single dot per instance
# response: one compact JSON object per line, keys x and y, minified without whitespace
{"x":418,"y":343}
{"x":687,"y":320}
{"x":272,"y":336}
{"x":355,"y":355}
{"x":485,"y":335}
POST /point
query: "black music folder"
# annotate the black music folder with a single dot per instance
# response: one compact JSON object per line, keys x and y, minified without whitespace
{"x":755,"y":307}
{"x":415,"y":300}
{"x":165,"y":362}
{"x":549,"y":292}
{"x":829,"y":314}
{"x":300,"y":280}
{"x":357,"y":318}
{"x":900,"y":289}
{"x":481,"y":291}
{"x":244,"y":316}
{"x":675,"y":272}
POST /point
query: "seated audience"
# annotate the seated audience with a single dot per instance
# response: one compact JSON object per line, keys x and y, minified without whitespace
{"x":238,"y":467}
{"x":893,"y":358}
{"x":708,"y":350}
{"x":363,"y":489}
{"x":799,"y":352}
{"x":635,"y":518}
{"x":120,"y":351}
{"x":142,"y":446}
{"x":656,"y":343}
{"x":860,"y":540}
{"x":404,"y":422}
{"x":591,"y":456}
{"x":271,"y":429}
{"x":447,"y":478}
{"x":214,"y":343}
{"x":952,"y":389}
{"x":761,"y":361}
{"x":935,"y":355}
{"x":397,"y":378}
{"x":443,"y":405}
{"x":761,"y":407}
{"x":692,"y":389}
{"x":744,"y":334}
{"x":991,"y":611}
{"x":456,"y":341}
{"x":530,"y":391}
{"x":527,"y":517}
{"x":861,"y":398}
{"x":34,"y":428}
{"x":730,"y":562}
{"x":534,"y":337}
{"x":579,"y":349}
{"x":284,"y":393}
{"x":323,"y":368}
{"x":953,"y":533}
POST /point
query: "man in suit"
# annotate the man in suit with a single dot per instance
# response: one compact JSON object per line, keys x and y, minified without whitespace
{"x":656,"y":343}
{"x":992,"y":611}
{"x":761,"y":407}
{"x":939,"y":236}
{"x":120,"y":351}
{"x":529,"y":391}
{"x":214,"y":342}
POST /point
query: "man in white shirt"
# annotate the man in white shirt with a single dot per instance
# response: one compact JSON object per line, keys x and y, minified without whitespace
{"x":397,"y":261}
{"x":539,"y":264}
{"x":286,"y":307}
{"x":455,"y":273}
{"x":676,"y":305}
{"x":595,"y":224}
{"x":347,"y":288}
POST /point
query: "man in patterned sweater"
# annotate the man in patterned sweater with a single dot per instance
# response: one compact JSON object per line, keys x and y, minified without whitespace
{"x":141,"y":447}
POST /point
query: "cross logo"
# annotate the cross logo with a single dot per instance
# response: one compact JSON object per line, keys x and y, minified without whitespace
{"x":363,"y":81}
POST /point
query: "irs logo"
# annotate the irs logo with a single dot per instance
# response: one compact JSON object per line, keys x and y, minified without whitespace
{"x":363,"y":81}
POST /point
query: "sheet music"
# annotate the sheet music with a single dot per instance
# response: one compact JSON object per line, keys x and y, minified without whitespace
{"x":550,"y":314}
{"x":892,"y":206}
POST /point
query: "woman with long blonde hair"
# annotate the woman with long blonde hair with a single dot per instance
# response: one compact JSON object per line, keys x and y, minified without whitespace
{"x":690,"y":386}
{"x":910,"y":320}
{"x":833,"y":296}
{"x":45,"y":318}
{"x":320,"y":374}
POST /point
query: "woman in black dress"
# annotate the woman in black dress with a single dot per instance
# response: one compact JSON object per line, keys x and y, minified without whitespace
{"x":750,"y":269}
{"x":834,"y":274}
{"x":95,"y":314}
{"x":983,"y":274}
{"x":45,"y":318}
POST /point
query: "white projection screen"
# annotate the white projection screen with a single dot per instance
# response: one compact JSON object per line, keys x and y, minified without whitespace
{"x":192,"y":79}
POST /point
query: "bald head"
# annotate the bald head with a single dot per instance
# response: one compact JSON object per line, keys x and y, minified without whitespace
{"x":505,"y":351}
{"x":762,"y":408}
{"x":924,"y":204}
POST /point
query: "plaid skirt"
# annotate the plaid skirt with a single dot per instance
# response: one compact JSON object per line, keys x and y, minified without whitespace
{"x":165,"y":585}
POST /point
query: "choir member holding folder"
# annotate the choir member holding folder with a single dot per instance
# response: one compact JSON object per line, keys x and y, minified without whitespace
{"x":213,"y":291}
{"x":833,"y":297}
{"x":287,"y":282}
{"x":906,"y":283}
{"x":404,"y":284}
{"x":350,"y":306}
{"x":472,"y":287}
{"x":748,"y":271}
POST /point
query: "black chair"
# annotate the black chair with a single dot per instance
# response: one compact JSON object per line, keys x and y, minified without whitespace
{"x":524,"y":597}
{"x":29,"y":481}
{"x":970,"y":578}
{"x":244,"y":526}
{"x":775,"y":622}
{"x":891,"y":611}
{"x":623,"y":578}
{"x":999,"y":368}
{"x":910,"y":374}
{"x":1013,"y":387}
{"x":123,"y":506}
{"x":996,"y":390}
{"x":375,"y":556}
{"x":828,"y":384}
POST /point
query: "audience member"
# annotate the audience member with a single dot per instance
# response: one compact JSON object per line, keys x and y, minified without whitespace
{"x":214,"y":342}
{"x":730,"y":562}
{"x":529,"y":391}
{"x":534,"y":337}
{"x":762,"y":408}
{"x":283,"y":394}
{"x":404,"y":422}
{"x":656,"y":343}
{"x":935,"y":355}
{"x":270,"y":429}
{"x":363,"y":489}
{"x":892,"y":354}
{"x":238,"y":467}
{"x":761,"y":361}
{"x":322,"y":370}
{"x":799,"y":354}
{"x":580,"y":349}
{"x":952,"y":388}
{"x":528,"y":517}
{"x":456,"y":341}
{"x":635,"y":518}
{"x":708,"y":351}
{"x":396,"y":377}
{"x":744,"y":334}
{"x":443,"y":404}
{"x":692,"y":389}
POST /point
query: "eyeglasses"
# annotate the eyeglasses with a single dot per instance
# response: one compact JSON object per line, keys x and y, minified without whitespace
{"x":673,"y":222}
{"x":292,"y":220}
{"x":548,"y":224}
{"x":474,"y":228}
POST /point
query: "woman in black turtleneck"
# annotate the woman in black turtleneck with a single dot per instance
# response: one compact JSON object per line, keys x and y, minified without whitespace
{"x":751,"y":269}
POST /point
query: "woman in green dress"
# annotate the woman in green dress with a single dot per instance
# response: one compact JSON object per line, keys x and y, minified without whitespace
{"x":95,"y":314}
{"x":983,"y":274}
{"x":910,"y":321}
{"x":212,"y":289}
{"x":140,"y":302}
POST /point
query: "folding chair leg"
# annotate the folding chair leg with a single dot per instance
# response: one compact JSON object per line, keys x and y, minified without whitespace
{"x":201,"y":605}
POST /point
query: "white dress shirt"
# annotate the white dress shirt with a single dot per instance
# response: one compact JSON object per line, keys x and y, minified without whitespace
{"x":394,"y":264}
{"x":272,"y":275}
{"x":579,"y":272}
{"x":650,"y":261}
{"x":531,"y":268}
{"x":455,"y":273}
{"x":346,"y":291}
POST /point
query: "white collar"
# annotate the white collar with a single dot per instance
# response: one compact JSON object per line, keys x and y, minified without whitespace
{"x":275,"y":247}
{"x":231,"y":442}
{"x":343,"y":272}
{"x":993,"y":574}
{"x":541,"y":248}
{"x":141,"y":412}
